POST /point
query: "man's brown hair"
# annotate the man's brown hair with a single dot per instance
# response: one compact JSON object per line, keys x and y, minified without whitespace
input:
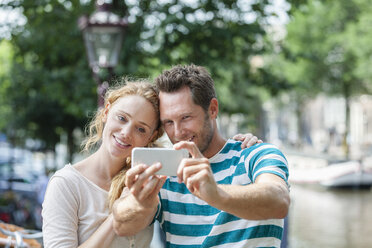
{"x":197,"y":78}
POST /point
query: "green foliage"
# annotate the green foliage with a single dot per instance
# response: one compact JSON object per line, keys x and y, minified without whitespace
{"x":52,"y":89}
{"x":215,"y":34}
{"x":6,"y":55}
{"x":358,"y":38}
{"x":316,"y":55}
{"x":51,"y":86}
{"x":327,"y":49}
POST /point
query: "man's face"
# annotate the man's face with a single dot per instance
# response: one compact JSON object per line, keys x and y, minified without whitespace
{"x":184,"y":120}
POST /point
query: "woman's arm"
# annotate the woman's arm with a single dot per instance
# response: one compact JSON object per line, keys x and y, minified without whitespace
{"x":61,"y":221}
{"x":103,"y":236}
{"x":137,"y":206}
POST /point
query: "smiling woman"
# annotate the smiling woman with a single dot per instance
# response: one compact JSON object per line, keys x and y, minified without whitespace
{"x":76,"y":209}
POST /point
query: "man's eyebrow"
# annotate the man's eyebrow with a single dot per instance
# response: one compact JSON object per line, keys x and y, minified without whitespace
{"x":165,"y":120}
{"x":178,"y":116}
{"x":141,"y":122}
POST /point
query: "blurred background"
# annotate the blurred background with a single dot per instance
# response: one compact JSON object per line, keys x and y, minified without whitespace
{"x":294,"y":73}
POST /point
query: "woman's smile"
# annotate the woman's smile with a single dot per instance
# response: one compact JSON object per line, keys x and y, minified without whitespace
{"x":122,"y":144}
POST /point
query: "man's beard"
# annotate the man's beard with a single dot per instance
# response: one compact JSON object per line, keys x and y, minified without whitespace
{"x":206,"y":134}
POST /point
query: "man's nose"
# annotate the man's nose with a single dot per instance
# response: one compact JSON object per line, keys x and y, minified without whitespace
{"x":178,"y":131}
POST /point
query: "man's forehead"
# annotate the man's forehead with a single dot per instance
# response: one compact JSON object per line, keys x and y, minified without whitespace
{"x":175,"y":104}
{"x":182,"y":96}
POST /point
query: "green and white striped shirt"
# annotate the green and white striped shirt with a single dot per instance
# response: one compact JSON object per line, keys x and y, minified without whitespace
{"x":190,"y":222}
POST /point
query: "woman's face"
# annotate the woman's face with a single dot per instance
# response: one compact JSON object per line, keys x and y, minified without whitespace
{"x":129,"y":122}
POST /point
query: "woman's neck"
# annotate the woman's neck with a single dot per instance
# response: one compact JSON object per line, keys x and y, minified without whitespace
{"x":105,"y":165}
{"x":100,"y":168}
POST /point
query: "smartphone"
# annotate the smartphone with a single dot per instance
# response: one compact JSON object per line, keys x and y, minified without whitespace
{"x":168,"y":157}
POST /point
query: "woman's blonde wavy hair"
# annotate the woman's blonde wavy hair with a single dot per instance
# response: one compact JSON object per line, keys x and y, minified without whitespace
{"x":95,"y":128}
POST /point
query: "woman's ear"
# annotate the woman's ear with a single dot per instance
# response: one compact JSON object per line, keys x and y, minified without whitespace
{"x":106,"y":112}
{"x":213,"y":108}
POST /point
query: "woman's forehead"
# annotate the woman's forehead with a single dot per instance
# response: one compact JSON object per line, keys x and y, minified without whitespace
{"x":137,"y":107}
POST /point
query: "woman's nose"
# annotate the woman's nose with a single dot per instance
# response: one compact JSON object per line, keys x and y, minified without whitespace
{"x":127,"y":130}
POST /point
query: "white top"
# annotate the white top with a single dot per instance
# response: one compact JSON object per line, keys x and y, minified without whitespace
{"x":74,"y":207}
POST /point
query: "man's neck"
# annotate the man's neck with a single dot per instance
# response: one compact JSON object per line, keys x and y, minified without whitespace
{"x":215,"y":146}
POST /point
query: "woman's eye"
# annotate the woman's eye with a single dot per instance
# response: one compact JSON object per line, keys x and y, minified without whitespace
{"x":141,"y":130}
{"x":121,"y":118}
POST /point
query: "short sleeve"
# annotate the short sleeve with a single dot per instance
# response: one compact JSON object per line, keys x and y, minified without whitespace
{"x":60,"y":214}
{"x":266,"y":158}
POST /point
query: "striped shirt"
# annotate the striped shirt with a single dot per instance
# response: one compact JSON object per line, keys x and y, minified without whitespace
{"x":190,"y":222}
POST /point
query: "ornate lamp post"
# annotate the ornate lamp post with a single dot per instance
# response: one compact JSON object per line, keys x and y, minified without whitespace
{"x":103,"y":33}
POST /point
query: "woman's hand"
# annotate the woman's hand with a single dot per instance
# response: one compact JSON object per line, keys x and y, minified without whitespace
{"x":247,"y":139}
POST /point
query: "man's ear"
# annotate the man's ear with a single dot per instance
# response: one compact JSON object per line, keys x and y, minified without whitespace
{"x":105,"y":112}
{"x":213,"y":108}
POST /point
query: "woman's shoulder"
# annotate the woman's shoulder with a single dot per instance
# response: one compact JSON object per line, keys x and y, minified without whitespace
{"x":63,"y":185}
{"x":67,"y":173}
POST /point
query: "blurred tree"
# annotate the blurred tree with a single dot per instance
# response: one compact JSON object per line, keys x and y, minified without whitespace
{"x":221,"y":35}
{"x":6,"y":54}
{"x":52,"y":89}
{"x":316,"y":57}
{"x":358,"y":38}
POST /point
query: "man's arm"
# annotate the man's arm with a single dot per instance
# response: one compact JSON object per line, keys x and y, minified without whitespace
{"x":137,"y":207}
{"x":266,"y":198}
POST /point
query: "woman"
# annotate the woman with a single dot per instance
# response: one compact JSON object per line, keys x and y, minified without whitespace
{"x":76,"y":208}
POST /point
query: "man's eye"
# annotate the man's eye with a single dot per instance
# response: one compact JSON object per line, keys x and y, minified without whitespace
{"x":167,"y":123}
{"x":141,"y":130}
{"x":186,"y":117}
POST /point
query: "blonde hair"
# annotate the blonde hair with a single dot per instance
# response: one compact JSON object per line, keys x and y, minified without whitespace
{"x":95,"y":128}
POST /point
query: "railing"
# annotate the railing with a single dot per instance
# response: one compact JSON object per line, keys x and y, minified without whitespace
{"x":20,"y":238}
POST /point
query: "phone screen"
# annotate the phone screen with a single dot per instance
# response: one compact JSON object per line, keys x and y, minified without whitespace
{"x":168,"y":157}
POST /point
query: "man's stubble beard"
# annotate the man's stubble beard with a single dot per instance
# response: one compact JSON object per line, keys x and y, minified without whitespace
{"x":206,"y":134}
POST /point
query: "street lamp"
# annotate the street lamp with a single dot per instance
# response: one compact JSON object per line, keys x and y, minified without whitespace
{"x":103,"y":33}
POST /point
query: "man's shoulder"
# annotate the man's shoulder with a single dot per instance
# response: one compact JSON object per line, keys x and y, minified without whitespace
{"x":231,"y":145}
{"x":232,"y":152}
{"x":261,"y":150}
{"x":267,"y":147}
{"x":231,"y":149}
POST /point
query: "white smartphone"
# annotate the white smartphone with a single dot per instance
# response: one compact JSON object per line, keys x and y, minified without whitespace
{"x":168,"y":157}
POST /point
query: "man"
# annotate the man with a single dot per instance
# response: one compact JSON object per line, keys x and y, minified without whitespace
{"x":223,"y":196}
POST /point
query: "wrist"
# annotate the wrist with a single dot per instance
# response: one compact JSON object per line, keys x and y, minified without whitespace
{"x":222,"y":197}
{"x":142,"y":208}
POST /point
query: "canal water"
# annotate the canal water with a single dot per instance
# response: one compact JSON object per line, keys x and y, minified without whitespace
{"x":330,"y":218}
